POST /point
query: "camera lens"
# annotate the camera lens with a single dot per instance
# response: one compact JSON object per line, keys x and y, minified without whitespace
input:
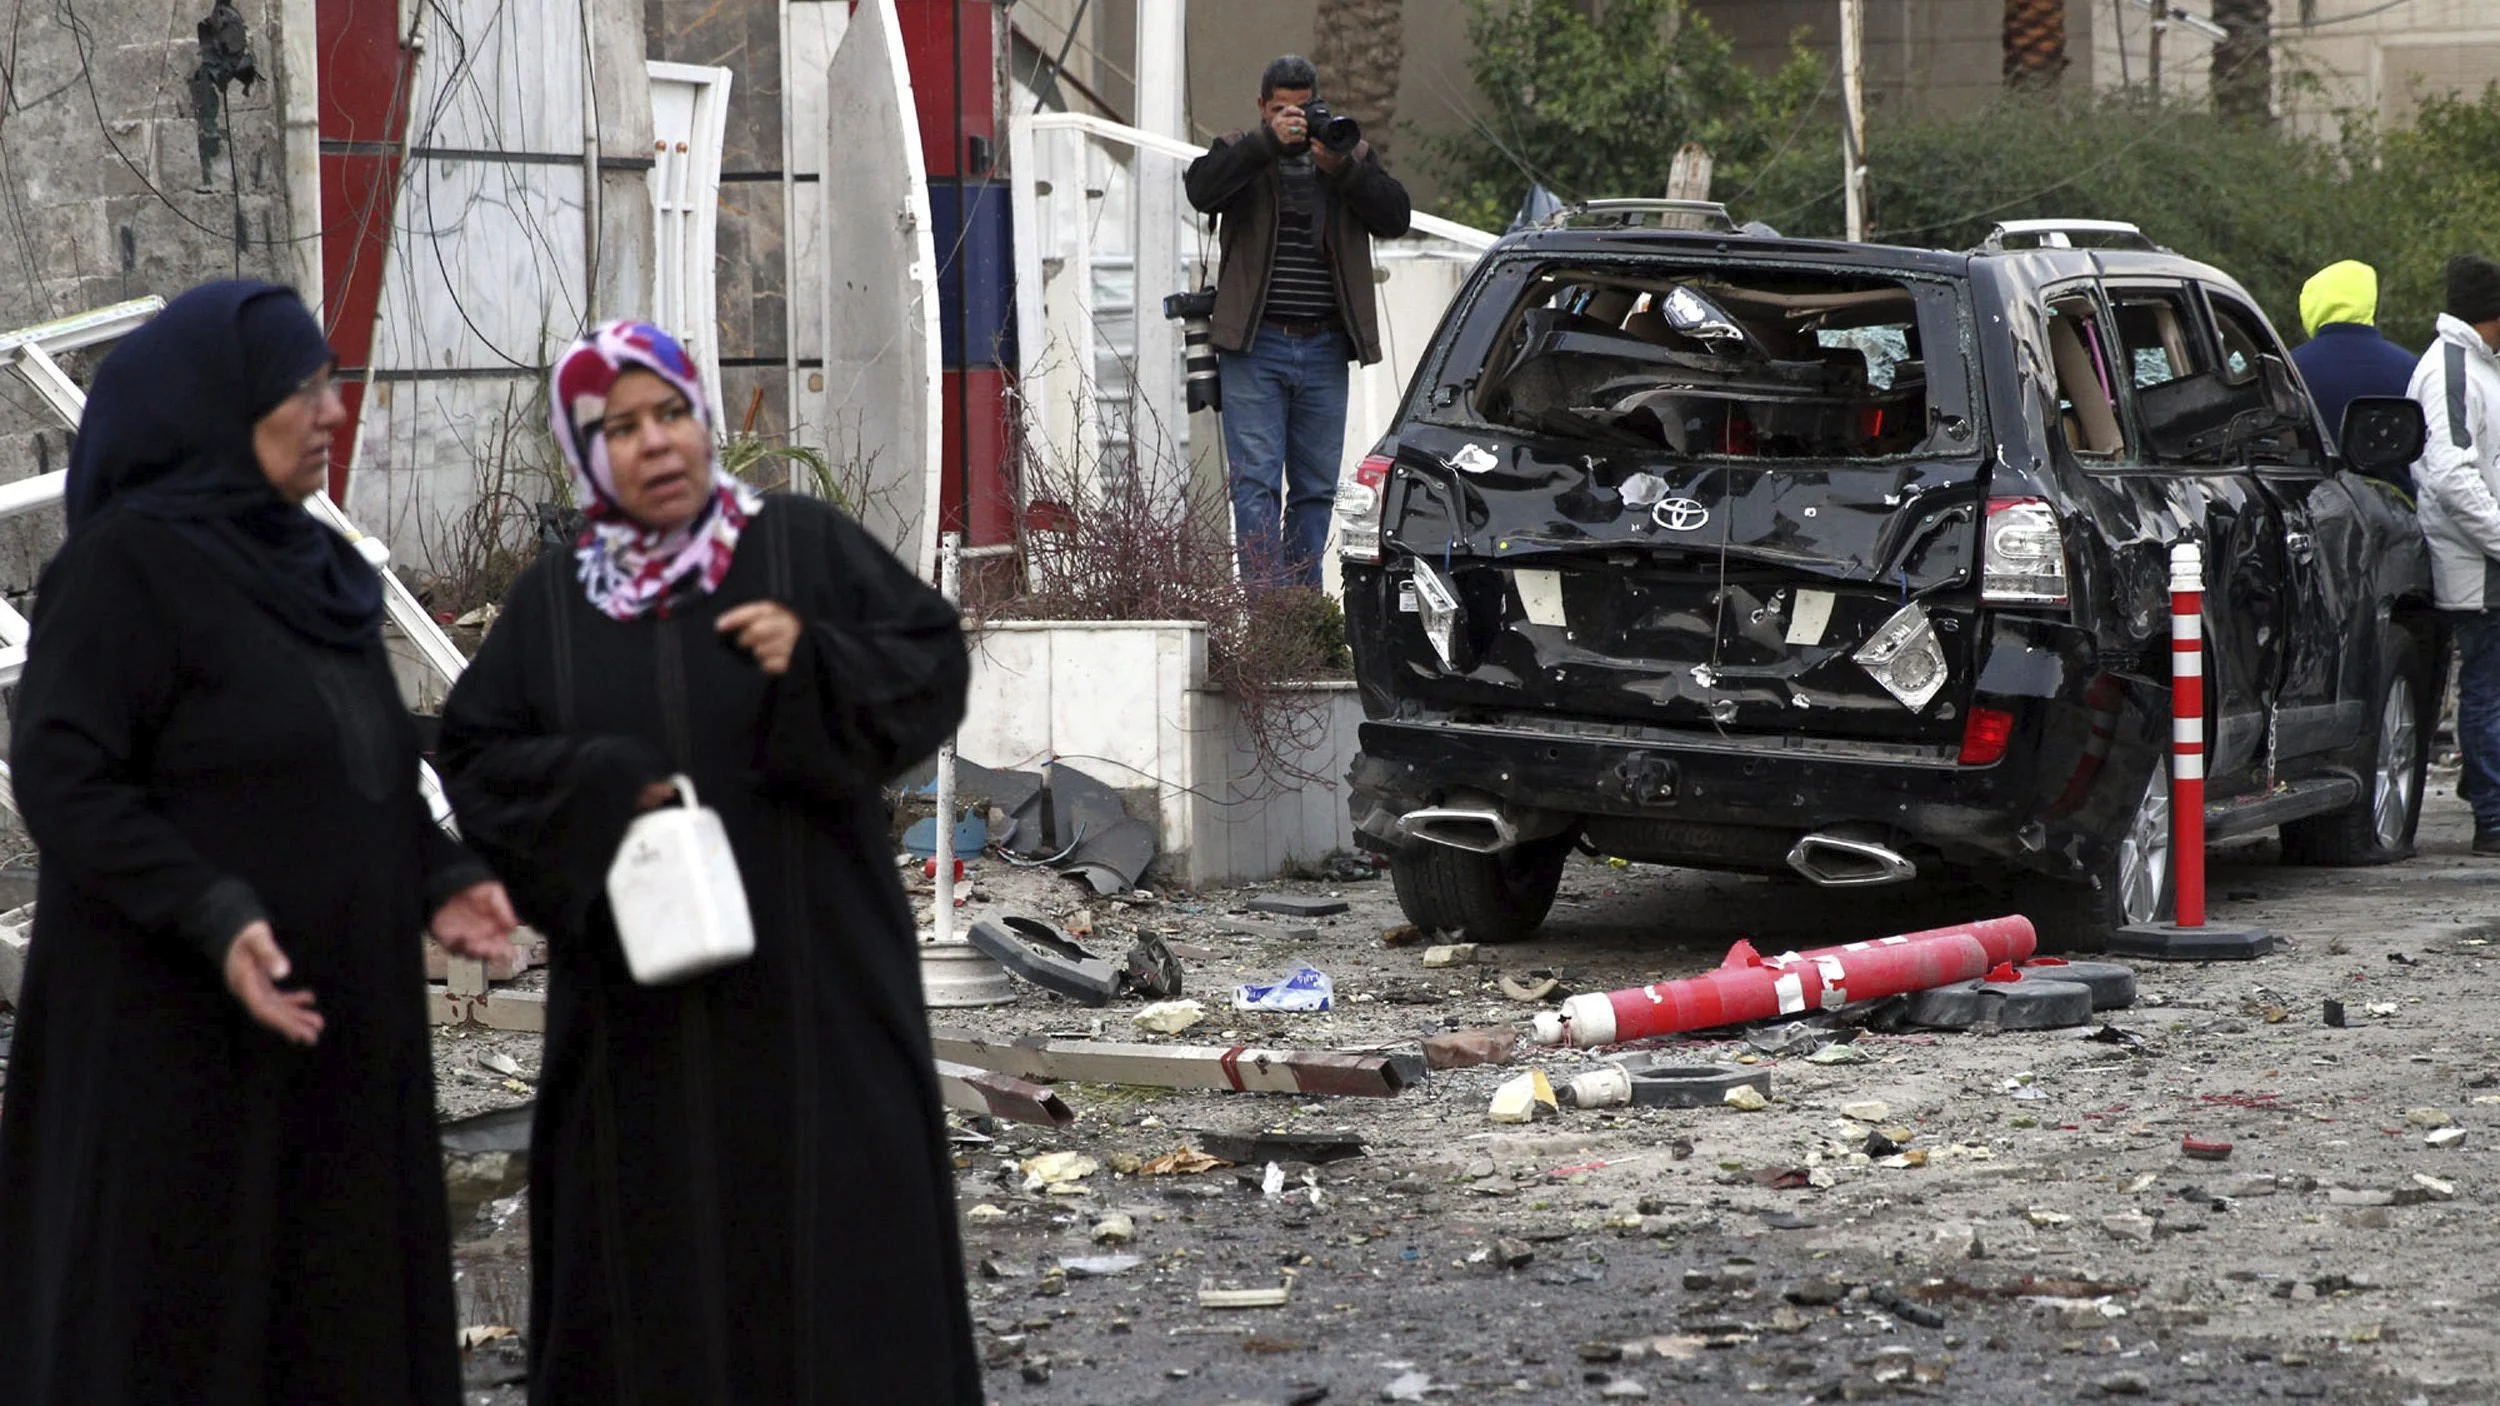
{"x":1196,"y":314}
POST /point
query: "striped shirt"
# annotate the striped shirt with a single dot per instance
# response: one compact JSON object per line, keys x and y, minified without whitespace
{"x":1300,"y":285}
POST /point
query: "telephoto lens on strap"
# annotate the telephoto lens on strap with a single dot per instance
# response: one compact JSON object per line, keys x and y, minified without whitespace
{"x":1196,"y":313}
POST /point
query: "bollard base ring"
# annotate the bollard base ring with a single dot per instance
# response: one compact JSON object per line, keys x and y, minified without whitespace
{"x":2213,"y":942}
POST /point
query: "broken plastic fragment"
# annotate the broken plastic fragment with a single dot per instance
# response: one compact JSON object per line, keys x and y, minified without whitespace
{"x":1306,"y":988}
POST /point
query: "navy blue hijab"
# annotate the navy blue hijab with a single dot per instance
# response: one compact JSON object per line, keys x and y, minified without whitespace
{"x":168,"y":434}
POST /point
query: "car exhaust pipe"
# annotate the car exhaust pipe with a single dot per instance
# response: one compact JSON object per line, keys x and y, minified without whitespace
{"x":1477,"y":828}
{"x":1838,"y":861}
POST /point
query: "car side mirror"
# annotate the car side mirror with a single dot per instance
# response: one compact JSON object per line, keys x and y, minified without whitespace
{"x":2381,"y":434}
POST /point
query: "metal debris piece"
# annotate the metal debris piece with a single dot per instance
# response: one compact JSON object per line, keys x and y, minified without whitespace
{"x":1047,"y":957}
{"x":1293,"y":905}
{"x":1240,"y":1068}
{"x":1263,"y":1146}
{"x":1152,"y":971}
{"x":967,"y":1089}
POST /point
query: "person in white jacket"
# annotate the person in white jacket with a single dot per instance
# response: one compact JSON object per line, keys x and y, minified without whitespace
{"x":2457,"y":479}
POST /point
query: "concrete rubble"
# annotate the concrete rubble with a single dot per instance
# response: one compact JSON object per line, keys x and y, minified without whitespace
{"x":1991,"y":1214}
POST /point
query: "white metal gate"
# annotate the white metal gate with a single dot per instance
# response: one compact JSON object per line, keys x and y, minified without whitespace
{"x":689,"y":119}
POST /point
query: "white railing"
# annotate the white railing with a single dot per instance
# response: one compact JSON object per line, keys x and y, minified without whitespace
{"x":29,"y":352}
{"x":1091,"y":278}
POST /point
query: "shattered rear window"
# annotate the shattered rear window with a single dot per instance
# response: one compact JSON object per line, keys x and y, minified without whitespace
{"x":1720,"y":361}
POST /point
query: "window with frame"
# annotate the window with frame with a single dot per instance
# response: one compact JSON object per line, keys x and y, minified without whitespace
{"x":2157,"y":333}
{"x":1726,"y":360}
{"x":2246,"y":342}
{"x":2087,"y":393}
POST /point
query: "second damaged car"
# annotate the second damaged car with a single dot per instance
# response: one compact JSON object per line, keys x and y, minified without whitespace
{"x":1716,"y":549}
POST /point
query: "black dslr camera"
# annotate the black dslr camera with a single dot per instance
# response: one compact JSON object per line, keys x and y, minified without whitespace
{"x":1338,"y":134}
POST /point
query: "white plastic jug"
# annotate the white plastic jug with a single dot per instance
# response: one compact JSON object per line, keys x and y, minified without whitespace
{"x":680,"y":907}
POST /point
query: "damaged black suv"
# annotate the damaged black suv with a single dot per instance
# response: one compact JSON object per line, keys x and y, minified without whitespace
{"x":1711,"y":548}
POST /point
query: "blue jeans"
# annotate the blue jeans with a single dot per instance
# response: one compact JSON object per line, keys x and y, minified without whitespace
{"x":1284,"y":419}
{"x":2477,"y":634}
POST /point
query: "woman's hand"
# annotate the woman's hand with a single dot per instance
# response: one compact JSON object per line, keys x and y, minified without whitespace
{"x":254,"y":967}
{"x":766,"y":629}
{"x":477,"y":923}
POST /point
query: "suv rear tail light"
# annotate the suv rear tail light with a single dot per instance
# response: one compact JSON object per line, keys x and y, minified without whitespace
{"x":1985,"y":735}
{"x":1359,"y":495}
{"x":1905,"y":658}
{"x":2023,"y":560}
{"x":1444,"y":619}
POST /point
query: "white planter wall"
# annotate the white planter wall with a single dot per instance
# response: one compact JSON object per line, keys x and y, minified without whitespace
{"x":1128,"y":703}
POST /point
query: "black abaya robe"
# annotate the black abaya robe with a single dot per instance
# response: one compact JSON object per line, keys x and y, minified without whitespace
{"x":192,"y":1210}
{"x":739,"y":1185}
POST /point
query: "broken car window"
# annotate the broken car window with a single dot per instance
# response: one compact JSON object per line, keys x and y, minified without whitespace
{"x":2265,"y":437}
{"x":2087,"y":399}
{"x":2158,"y":335}
{"x":1771,"y":363}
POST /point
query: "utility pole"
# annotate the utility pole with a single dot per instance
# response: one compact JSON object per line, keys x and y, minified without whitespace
{"x":2152,"y":59}
{"x":1853,"y":102}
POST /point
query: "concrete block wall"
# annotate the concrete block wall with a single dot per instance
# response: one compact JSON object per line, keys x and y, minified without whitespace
{"x":103,"y":196}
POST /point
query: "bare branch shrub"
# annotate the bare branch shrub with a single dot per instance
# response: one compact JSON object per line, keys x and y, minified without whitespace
{"x":1132,"y":540}
{"x":479,"y":552}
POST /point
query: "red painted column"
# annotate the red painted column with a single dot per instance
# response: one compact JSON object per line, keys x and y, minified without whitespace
{"x":950,"y":48}
{"x":363,"y":113}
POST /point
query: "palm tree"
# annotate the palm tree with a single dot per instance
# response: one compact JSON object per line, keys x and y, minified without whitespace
{"x":2243,"y":65}
{"x":2035,"y":43}
{"x":1360,"y":46}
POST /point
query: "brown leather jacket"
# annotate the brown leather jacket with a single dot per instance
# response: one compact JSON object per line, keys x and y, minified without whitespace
{"x":1237,"y":181}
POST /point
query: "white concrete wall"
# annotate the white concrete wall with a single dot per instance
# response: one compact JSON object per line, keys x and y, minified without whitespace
{"x":488,"y":272}
{"x":1127,"y":702}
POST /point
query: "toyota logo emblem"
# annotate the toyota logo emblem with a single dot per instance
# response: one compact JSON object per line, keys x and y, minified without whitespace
{"x":1679,"y":514}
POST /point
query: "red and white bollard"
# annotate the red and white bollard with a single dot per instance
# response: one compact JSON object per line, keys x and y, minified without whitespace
{"x":1749,"y":986}
{"x":2188,"y":938}
{"x":2187,"y":729}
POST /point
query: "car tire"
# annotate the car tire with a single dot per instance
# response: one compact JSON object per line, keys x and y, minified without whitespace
{"x":1499,"y":897}
{"x":2378,"y":828}
{"x":2136,"y":883}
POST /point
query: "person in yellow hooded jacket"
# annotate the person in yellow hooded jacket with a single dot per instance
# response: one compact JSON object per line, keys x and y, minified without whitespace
{"x":2345,"y":356}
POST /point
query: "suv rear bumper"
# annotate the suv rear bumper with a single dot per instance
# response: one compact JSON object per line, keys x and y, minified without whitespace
{"x":2066,"y":785}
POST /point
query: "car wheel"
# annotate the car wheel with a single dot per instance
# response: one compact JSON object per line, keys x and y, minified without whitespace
{"x":2378,"y":828}
{"x":1499,"y":897}
{"x":2134,"y":884}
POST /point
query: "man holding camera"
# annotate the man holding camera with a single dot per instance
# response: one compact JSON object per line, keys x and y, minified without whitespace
{"x":1299,"y":198}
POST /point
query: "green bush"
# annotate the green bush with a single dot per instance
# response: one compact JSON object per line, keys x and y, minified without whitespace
{"x":1592,"y":105}
{"x":1594,"y":100}
{"x":2269,"y":209}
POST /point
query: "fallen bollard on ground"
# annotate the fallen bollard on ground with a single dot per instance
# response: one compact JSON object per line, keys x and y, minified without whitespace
{"x":967,"y":1089}
{"x":1749,"y":986}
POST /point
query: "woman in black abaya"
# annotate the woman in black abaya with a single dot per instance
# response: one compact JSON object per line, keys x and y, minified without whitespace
{"x":214,"y":1187}
{"x":739,"y":1188}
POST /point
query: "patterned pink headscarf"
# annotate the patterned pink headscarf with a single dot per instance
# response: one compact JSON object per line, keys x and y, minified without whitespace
{"x":627,"y":568}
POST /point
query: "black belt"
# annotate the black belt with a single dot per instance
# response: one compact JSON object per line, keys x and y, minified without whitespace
{"x":1308,"y":327}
